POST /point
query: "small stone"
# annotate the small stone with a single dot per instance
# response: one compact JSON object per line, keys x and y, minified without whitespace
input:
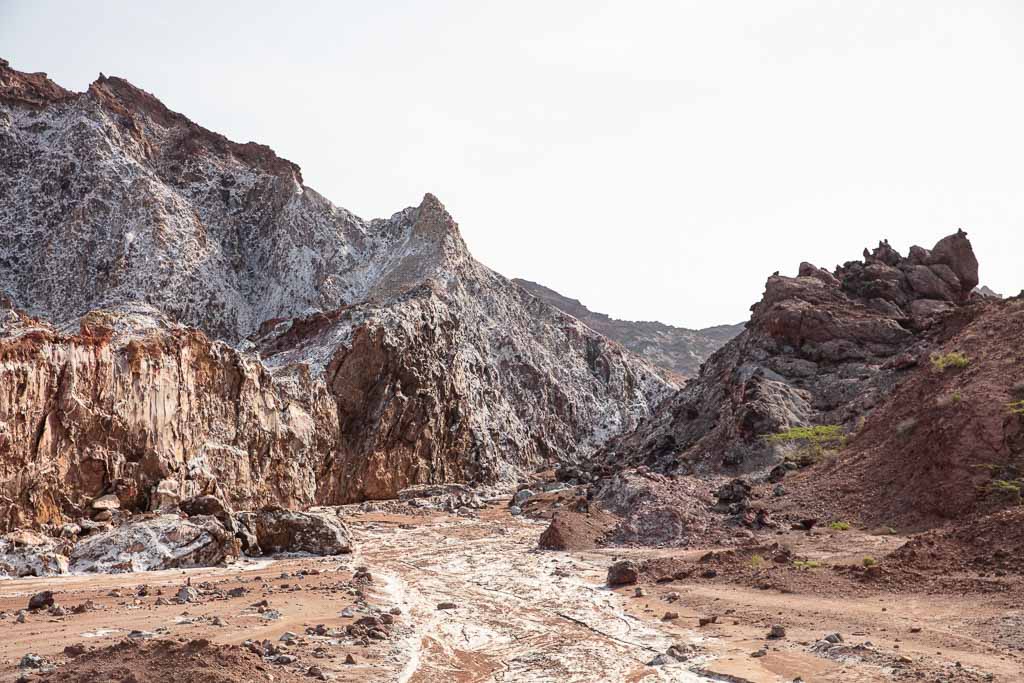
{"x":639,"y":592}
{"x":704,"y":621}
{"x":237,"y":592}
{"x":447,"y":605}
{"x":669,"y":616}
{"x":31,"y":661}
{"x":759,"y":653}
{"x":777,"y":632}
{"x":285,"y":659}
{"x":41,"y":600}
{"x":515,"y":511}
{"x":288,"y":637}
{"x":107,"y":502}
{"x":74,"y":650}
{"x":349,"y":659}
{"x":833,"y":638}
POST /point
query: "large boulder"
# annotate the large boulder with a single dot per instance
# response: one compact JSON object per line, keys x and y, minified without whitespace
{"x":162,"y":542}
{"x":318,"y":533}
{"x":28,"y":553}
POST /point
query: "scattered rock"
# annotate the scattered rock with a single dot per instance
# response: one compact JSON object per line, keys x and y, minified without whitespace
{"x":623,"y":572}
{"x":40,"y":600}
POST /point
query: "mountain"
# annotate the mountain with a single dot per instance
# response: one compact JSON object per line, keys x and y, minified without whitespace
{"x":822,"y":348}
{"x":182,"y":315}
{"x":673,"y":348}
{"x":888,"y":393}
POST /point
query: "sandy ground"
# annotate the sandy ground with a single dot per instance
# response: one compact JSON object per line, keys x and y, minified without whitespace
{"x":522,"y":614}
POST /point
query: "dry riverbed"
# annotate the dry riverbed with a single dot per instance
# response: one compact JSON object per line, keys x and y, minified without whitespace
{"x":440,"y":597}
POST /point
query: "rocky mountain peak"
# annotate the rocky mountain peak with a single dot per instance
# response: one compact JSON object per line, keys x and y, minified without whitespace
{"x":820,"y":348}
{"x":186,"y":318}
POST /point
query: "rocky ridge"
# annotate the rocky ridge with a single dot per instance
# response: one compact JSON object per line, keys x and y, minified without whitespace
{"x":821,"y":349}
{"x":182,"y":316}
{"x":677,"y":349}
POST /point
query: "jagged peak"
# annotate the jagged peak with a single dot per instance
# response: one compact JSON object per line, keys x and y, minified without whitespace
{"x":129,"y":101}
{"x":33,"y":89}
{"x":123,"y":97}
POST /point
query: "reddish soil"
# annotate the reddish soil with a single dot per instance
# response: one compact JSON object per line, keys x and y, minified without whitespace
{"x":934,"y":449}
{"x":168,"y":661}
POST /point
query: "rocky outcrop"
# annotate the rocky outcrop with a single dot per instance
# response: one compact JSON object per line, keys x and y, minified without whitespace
{"x":181,"y":316}
{"x":162,"y":542}
{"x":822,"y":348}
{"x":319,"y":533}
{"x":676,"y":349}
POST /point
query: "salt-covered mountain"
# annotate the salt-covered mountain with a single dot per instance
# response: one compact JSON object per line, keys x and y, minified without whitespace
{"x":677,"y":349}
{"x":182,"y":315}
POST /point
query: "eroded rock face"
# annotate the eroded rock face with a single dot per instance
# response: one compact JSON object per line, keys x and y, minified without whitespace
{"x":822,"y":348}
{"x":182,"y":317}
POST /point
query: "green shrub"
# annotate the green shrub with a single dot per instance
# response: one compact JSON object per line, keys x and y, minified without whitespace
{"x":812,"y":444}
{"x":756,"y":561}
{"x":869,"y":561}
{"x":1017,"y":408}
{"x":954,"y":359}
{"x":804,"y":565}
{"x":839,"y":526}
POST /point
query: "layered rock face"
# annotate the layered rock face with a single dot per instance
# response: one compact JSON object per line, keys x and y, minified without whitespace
{"x":822,"y":348}
{"x":678,"y":350}
{"x":183,"y":317}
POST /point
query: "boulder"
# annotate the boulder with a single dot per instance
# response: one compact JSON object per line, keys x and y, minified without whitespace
{"x":163,"y":542}
{"x":27,"y":553}
{"x":318,"y":533}
{"x":623,"y":573}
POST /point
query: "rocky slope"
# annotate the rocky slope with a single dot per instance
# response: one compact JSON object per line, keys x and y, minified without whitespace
{"x":182,"y":315}
{"x":821,"y":349}
{"x":676,"y":349}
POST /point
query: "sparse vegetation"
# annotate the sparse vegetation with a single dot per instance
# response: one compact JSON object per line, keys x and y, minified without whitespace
{"x":869,"y":561}
{"x":812,"y":444}
{"x":956,"y":397}
{"x":806,"y":564}
{"x":954,"y":359}
{"x":1017,"y":408}
{"x":757,"y":561}
{"x":839,"y":526}
{"x":1007,"y":489}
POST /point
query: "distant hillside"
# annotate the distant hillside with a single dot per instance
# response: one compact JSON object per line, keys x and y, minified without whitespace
{"x":673,"y":348}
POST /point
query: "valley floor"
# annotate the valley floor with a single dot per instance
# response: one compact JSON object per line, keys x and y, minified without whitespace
{"x":516,"y":614}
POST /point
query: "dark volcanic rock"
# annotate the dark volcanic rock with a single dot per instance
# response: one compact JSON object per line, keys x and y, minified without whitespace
{"x":820,"y":349}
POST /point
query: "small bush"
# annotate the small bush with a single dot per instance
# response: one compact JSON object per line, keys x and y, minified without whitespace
{"x":839,"y":526}
{"x":812,"y":443}
{"x":956,"y":397}
{"x":804,"y":565}
{"x":1017,"y":408}
{"x":756,"y":561}
{"x":869,"y":561}
{"x":954,"y":359}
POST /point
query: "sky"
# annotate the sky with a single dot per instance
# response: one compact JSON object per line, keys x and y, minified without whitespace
{"x":656,"y":160}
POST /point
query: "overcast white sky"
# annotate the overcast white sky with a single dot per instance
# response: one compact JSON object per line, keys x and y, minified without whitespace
{"x":657,"y":160}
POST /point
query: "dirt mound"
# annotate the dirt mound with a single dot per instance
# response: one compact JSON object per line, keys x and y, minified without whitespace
{"x":990,"y":544}
{"x":167,"y":661}
{"x":577,"y":529}
{"x":947,"y":443}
